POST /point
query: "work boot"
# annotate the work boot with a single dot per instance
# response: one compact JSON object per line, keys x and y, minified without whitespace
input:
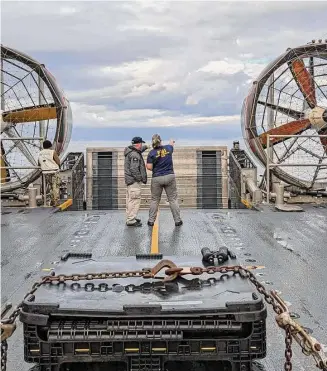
{"x":178,"y":224}
{"x":136,"y":224}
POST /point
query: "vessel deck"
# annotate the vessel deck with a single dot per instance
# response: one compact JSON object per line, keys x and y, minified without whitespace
{"x":291,"y":246}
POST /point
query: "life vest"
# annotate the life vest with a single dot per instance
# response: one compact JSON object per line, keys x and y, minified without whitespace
{"x":47,"y":163}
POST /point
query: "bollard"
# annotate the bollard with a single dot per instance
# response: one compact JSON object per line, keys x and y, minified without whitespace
{"x":32,"y":194}
{"x":279,"y":189}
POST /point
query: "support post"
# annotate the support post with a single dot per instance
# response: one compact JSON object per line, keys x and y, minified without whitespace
{"x":42,"y":129}
{"x":2,"y":88}
{"x":270,"y":122}
{"x":44,"y":191}
{"x":268,"y":169}
{"x":41,"y":101}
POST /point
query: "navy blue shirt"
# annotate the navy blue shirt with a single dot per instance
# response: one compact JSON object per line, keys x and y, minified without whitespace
{"x":161,"y":159}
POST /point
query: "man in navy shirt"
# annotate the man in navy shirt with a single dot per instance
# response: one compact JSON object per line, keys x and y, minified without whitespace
{"x":160,"y":162}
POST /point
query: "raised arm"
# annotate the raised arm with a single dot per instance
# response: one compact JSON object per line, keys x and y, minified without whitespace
{"x":145,"y":147}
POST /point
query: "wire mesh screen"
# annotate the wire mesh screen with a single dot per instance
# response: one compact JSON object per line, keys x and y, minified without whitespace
{"x":290,"y":97}
{"x":33,"y":108}
{"x":299,"y":159}
{"x":22,"y":88}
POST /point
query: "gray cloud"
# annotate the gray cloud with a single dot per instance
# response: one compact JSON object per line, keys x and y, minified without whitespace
{"x":186,"y":59}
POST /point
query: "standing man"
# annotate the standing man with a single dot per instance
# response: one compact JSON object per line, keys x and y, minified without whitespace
{"x":160,"y":162}
{"x":135,"y":175}
{"x":50,"y":163}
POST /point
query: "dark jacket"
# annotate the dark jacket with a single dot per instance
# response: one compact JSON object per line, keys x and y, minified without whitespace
{"x":135,"y":170}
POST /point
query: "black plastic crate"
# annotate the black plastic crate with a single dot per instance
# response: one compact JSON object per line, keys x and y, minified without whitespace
{"x":223,"y":321}
{"x":153,"y":364}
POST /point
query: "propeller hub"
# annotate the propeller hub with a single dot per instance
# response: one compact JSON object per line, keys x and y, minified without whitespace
{"x":324,"y":116}
{"x":318,"y":118}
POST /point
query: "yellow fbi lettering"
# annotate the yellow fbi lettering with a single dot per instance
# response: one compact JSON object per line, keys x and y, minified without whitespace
{"x":162,"y":153}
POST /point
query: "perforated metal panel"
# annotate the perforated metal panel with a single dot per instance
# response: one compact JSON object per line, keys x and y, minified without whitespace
{"x":104,"y":180}
{"x":209,"y":180}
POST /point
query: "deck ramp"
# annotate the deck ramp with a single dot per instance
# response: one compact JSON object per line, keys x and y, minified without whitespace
{"x":292,"y":247}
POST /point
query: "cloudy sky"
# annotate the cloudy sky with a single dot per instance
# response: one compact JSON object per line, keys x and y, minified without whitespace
{"x":178,"y":68}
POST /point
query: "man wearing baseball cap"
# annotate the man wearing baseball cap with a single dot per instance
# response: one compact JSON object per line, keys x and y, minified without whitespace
{"x":135,"y":176}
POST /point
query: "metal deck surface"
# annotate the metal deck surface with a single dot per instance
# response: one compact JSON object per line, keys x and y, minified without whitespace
{"x":292,"y":247}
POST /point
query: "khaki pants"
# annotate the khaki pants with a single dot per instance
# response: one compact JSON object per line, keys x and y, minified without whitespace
{"x":133,"y":202}
{"x":53,"y":181}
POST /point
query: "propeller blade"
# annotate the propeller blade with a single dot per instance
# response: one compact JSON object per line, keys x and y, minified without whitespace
{"x":297,"y":115}
{"x":304,"y":81}
{"x":30,"y":114}
{"x":323,"y":140}
{"x":291,"y":128}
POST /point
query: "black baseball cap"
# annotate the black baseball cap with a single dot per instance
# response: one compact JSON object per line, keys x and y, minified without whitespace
{"x":136,"y":140}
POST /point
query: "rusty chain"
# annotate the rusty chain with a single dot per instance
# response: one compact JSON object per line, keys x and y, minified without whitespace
{"x":4,"y":349}
{"x":309,"y":345}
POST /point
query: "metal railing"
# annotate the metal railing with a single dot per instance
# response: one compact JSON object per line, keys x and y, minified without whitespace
{"x":238,"y":160}
{"x":74,"y":186}
{"x":72,"y":174}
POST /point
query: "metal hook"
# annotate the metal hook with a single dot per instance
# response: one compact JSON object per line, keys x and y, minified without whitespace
{"x":164,"y":264}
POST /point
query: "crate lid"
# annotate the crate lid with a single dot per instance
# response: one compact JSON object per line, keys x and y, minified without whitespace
{"x":137,"y":296}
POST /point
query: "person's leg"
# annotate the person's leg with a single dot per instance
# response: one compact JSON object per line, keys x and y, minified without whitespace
{"x":156,"y":191}
{"x":48,"y":187}
{"x":127,"y":202}
{"x":171,"y":192}
{"x":137,"y":201}
{"x":55,"y":185}
{"x":127,"y":206}
{"x":133,"y":204}
{"x":54,"y":182}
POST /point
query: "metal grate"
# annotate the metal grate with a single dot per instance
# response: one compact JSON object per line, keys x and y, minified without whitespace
{"x":209,"y":180}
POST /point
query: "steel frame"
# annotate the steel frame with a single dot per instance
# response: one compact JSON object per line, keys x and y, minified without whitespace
{"x":64,"y":115}
{"x":267,"y":80}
